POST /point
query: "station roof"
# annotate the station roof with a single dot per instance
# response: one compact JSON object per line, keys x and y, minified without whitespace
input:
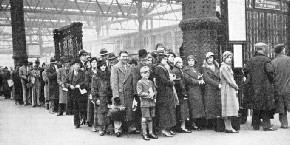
{"x":113,"y":17}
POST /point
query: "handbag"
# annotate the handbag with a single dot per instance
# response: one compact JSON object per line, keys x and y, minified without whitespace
{"x":117,"y":112}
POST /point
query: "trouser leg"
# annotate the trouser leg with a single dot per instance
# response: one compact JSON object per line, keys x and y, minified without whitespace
{"x":33,"y":96}
{"x":24,"y":94}
{"x":76,"y":112}
{"x":283,"y":119}
{"x":51,"y":106}
{"x":95,"y":122}
{"x":266,"y":119}
{"x":38,"y":94}
{"x":117,"y":126}
{"x":256,"y":119}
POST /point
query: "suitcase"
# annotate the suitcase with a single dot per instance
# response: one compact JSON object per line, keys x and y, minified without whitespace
{"x":117,"y":113}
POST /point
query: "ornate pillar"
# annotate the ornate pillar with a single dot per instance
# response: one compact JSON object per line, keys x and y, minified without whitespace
{"x":18,"y":31}
{"x":199,"y":26}
{"x":288,"y":27}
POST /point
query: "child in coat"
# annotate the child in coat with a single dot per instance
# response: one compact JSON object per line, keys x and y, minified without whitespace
{"x":147,"y":91}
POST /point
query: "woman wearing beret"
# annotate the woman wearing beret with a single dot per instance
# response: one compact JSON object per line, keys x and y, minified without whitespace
{"x":90,"y":72}
{"x":229,"y":99}
{"x":212,"y":96}
{"x":194,"y":80}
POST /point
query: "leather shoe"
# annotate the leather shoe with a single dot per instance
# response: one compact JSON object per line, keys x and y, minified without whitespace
{"x":153,"y":136}
{"x":77,"y":126}
{"x":270,"y":129}
{"x":59,"y":114}
{"x":284,"y":127}
{"x":118,"y":134}
{"x":231,"y":131}
{"x":195,"y":128}
{"x":145,"y":137}
{"x":166,"y":134}
{"x":172,"y":132}
{"x":185,"y":131}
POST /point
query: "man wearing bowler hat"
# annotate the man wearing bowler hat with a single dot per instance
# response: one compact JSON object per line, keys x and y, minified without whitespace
{"x":112,"y":60}
{"x":83,"y":58}
{"x":75,"y":82}
{"x":281,"y":66}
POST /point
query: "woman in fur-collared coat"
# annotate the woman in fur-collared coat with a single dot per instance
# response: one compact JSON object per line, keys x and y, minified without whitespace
{"x":212,"y":96}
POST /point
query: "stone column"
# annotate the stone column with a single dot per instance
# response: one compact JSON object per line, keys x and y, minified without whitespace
{"x":199,"y":26}
{"x":18,"y":31}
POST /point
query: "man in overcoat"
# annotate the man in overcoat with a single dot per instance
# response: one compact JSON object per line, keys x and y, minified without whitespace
{"x":122,"y":83}
{"x":24,"y":73}
{"x":52,"y":85}
{"x":75,"y":82}
{"x":259,"y":68}
{"x":61,"y":76}
{"x":36,"y":89}
{"x":281,"y":66}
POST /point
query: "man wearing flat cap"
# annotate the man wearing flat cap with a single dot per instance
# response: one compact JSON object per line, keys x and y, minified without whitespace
{"x":258,"y":68}
{"x":52,"y":85}
{"x":281,"y":66}
{"x":36,"y":89}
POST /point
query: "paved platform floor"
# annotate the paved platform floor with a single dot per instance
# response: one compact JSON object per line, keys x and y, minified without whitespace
{"x":24,"y":125}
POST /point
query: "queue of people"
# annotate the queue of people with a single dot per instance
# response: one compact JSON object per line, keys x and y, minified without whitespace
{"x":159,"y":94}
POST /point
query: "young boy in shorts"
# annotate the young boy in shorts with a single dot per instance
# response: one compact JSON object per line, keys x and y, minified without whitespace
{"x":147,"y":91}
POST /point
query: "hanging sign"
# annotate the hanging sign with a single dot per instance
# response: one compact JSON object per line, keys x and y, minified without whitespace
{"x":237,"y":20}
{"x":268,"y":4}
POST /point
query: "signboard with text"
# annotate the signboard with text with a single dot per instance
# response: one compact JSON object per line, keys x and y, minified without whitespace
{"x":268,"y":4}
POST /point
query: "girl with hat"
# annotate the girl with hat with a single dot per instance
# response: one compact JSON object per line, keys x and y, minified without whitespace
{"x":193,"y":81}
{"x":182,"y":109}
{"x":229,"y":99}
{"x":212,"y":101}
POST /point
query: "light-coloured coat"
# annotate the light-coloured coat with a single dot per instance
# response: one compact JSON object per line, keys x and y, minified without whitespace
{"x":230,"y":103}
{"x":61,"y":76}
{"x":122,"y":84}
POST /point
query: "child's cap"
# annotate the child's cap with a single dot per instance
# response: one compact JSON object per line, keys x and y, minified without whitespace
{"x":144,"y":69}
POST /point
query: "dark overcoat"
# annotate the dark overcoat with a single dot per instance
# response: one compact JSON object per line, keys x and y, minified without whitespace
{"x":181,"y":93}
{"x":122,"y":84}
{"x":212,"y":95}
{"x":17,"y":84}
{"x":281,"y":67}
{"x":101,"y":90}
{"x":194,"y":92}
{"x":165,"y":102}
{"x":52,"y":82}
{"x":258,"y":69}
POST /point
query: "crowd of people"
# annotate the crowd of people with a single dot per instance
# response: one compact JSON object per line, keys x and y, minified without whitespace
{"x":157,"y":94}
